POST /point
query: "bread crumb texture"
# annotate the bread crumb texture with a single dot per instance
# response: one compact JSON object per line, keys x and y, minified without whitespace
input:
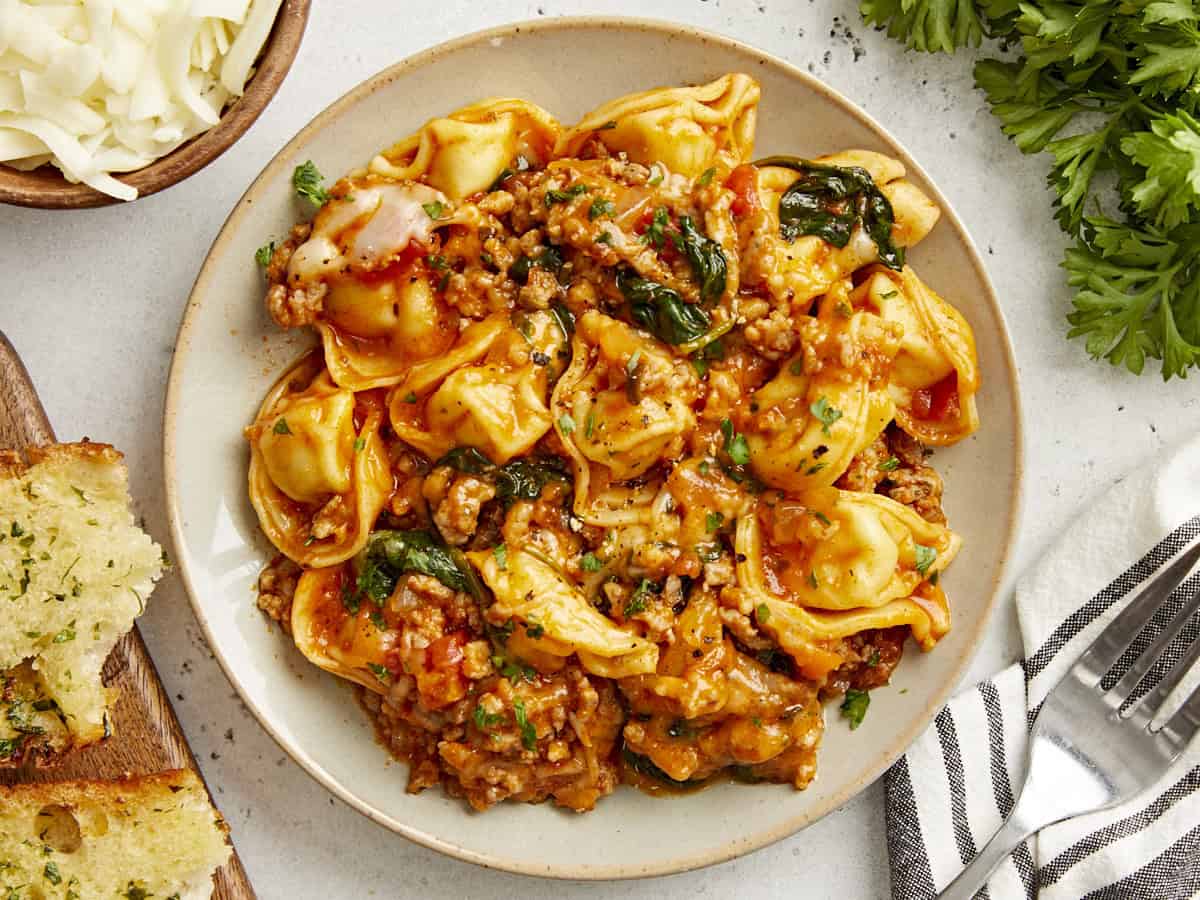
{"x":75,"y":571}
{"x":154,"y":836}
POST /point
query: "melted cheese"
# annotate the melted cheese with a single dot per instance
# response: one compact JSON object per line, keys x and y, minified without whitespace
{"x":370,"y":226}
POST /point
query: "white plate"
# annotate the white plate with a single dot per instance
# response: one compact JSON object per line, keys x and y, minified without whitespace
{"x":223,"y":366}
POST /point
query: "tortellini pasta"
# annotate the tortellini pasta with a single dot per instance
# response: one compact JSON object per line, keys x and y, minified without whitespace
{"x":935,"y":375}
{"x":343,"y":644}
{"x":465,"y":152}
{"x":810,"y":634}
{"x":531,"y":588}
{"x":319,"y":473}
{"x":687,"y":129}
{"x":489,"y":392}
{"x":807,"y":266}
{"x":809,"y":427}
{"x":623,"y":405}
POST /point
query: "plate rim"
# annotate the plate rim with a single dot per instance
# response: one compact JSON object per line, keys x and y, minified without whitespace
{"x":737,"y":846}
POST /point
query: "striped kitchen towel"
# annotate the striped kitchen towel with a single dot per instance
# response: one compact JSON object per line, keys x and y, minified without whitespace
{"x":959,"y":781}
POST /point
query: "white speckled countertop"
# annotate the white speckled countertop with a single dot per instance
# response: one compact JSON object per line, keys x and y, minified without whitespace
{"x":93,"y":300}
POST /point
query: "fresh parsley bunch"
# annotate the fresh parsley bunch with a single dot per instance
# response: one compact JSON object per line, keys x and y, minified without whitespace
{"x":1111,"y":89}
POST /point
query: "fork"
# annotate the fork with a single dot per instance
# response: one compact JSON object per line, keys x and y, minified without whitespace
{"x":1092,"y":748}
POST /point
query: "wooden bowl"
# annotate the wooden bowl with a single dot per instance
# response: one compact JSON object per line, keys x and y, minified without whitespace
{"x":46,"y":188}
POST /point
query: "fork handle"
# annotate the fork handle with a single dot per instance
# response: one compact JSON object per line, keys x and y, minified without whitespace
{"x":994,"y":852}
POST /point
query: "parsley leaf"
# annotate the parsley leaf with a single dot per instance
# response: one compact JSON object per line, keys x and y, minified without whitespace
{"x":528,"y":732}
{"x":854,"y":707}
{"x":591,"y":563}
{"x":600,"y":207}
{"x":735,"y":444}
{"x":925,"y":557}
{"x":263,"y":254}
{"x":281,"y":426}
{"x":435,"y":209}
{"x":308,"y":183}
{"x":1170,"y":152}
{"x":824,"y":413}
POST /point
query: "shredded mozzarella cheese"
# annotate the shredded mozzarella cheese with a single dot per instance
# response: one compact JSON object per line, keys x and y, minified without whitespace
{"x":101,"y":86}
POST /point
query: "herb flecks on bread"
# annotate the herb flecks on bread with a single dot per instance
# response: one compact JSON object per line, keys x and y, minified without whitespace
{"x":75,"y":571}
{"x":152,"y":836}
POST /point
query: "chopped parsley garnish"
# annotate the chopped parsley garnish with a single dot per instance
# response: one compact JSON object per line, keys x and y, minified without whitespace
{"x":435,"y":209}
{"x":611,"y":123}
{"x":763,"y":613}
{"x":735,"y":444}
{"x":854,"y":707}
{"x":67,"y":634}
{"x":824,"y":413}
{"x":263,"y":254}
{"x":281,"y":426}
{"x":604,"y":237}
{"x":566,"y":424}
{"x":410,"y":397}
{"x":812,"y":580}
{"x":891,"y":464}
{"x":308,"y":183}
{"x":378,"y":620}
{"x":556,"y":196}
{"x":534,"y":630}
{"x":887,"y":295}
{"x":632,"y":377}
{"x":51,"y":873}
{"x":706,"y":177}
{"x":925,"y":558}
{"x":713,"y":521}
{"x":485,"y":720}
{"x":81,"y":495}
{"x":600,"y":207}
{"x":589,"y":424}
{"x":873,"y":659}
{"x":656,"y":231}
{"x":380,"y":672}
{"x":821,"y":517}
{"x":637,"y":600}
{"x":359,"y":444}
{"x":657,"y":178}
{"x":500,"y":551}
{"x":528,"y":732}
{"x":591,"y":563}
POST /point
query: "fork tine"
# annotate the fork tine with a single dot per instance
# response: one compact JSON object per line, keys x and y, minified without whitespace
{"x":1112,"y":641}
{"x":1182,"y":726}
{"x":1121,"y":691}
{"x":1147,"y":708}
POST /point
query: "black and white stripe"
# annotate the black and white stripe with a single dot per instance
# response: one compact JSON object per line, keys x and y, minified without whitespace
{"x":959,"y":782}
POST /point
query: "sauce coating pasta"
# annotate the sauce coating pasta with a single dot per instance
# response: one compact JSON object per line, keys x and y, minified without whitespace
{"x":611,"y":465}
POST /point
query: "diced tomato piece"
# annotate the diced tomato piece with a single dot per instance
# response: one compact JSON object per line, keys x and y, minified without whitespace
{"x":743,"y":181}
{"x":939,"y":402}
{"x":446,"y":651}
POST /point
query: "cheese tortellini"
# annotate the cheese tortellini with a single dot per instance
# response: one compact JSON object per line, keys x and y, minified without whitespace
{"x":624,"y":404}
{"x":466,"y":151}
{"x":319,"y":473}
{"x":686,"y":129}
{"x":488,"y":392}
{"x":531,"y":588}
{"x":807,"y":266}
{"x":935,"y":374}
{"x":809,"y":427}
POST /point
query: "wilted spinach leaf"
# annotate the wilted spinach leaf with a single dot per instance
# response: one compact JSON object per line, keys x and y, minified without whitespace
{"x":550,"y":259}
{"x":828,"y":201}
{"x":471,"y":460}
{"x":523,"y":479}
{"x":644,"y":766}
{"x":660,"y":310}
{"x":520,"y":479}
{"x":706,"y":257}
{"x":390,"y":554}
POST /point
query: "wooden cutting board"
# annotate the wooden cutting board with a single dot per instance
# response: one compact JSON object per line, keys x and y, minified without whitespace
{"x":146,"y":735}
